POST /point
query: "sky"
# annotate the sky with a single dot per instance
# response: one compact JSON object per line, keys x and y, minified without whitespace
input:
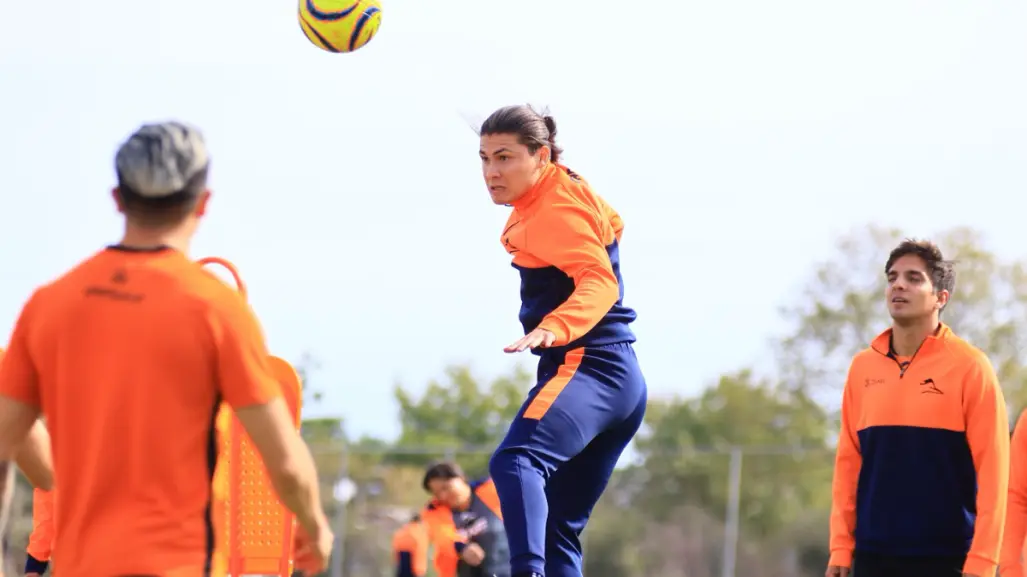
{"x":737,"y":139}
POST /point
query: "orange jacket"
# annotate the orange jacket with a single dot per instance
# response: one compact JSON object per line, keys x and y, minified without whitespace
{"x":564,"y":240}
{"x":443,"y":534}
{"x":924,"y":445}
{"x":1011,"y":561}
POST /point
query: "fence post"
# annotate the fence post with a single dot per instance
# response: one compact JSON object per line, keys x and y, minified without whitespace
{"x":731,"y":525}
{"x":340,"y":513}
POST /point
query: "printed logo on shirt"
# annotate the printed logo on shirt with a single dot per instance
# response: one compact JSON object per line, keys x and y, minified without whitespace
{"x":928,"y":386}
{"x":869,"y":382}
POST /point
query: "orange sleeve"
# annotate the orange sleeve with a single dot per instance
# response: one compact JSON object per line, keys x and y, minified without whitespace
{"x":41,"y":539}
{"x":420,"y":552}
{"x":19,"y":379}
{"x":847,"y":463}
{"x":401,"y":542}
{"x":1010,"y":560}
{"x":446,"y":540}
{"x":574,"y":242}
{"x":243,"y":371}
{"x":987,"y":432}
{"x":412,"y":539}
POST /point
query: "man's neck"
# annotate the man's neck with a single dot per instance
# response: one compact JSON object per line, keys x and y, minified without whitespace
{"x":142,"y":238}
{"x":907,"y":338}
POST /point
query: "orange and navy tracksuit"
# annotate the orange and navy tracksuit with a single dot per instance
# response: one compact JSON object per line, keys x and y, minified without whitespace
{"x":410,"y":549}
{"x":41,"y":539}
{"x":923,"y":462}
{"x":449,"y":531}
{"x":590,"y":398}
{"x":1013,"y":539}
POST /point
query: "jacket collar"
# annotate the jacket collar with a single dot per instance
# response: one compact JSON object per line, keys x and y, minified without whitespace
{"x":882,"y":342}
{"x":544,"y":183}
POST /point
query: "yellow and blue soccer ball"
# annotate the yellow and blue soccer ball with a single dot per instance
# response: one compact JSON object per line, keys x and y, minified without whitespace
{"x":340,"y":25}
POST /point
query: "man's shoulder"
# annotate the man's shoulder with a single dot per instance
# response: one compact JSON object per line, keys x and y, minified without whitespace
{"x":965,"y":350}
{"x":865,"y":356}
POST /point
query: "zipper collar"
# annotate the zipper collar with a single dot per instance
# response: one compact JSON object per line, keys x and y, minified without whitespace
{"x":883,"y":345}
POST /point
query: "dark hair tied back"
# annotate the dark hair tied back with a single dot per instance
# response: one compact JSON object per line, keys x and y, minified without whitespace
{"x":533,"y":129}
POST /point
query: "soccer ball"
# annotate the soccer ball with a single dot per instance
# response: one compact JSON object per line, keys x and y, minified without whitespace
{"x":340,"y":25}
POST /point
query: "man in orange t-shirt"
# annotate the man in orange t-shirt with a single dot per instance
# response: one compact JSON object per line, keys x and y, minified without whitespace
{"x":129,"y":356}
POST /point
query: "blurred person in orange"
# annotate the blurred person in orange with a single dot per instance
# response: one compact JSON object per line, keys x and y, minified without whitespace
{"x":465,"y":524}
{"x":410,"y":548}
{"x":1014,"y":548}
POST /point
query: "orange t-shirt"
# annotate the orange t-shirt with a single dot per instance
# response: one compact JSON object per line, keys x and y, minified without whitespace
{"x":129,"y":356}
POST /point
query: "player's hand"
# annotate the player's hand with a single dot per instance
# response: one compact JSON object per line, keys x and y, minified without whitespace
{"x":536,"y":339}
{"x":311,"y":554}
{"x":836,"y":571}
{"x":473,"y":554}
{"x":33,"y":575}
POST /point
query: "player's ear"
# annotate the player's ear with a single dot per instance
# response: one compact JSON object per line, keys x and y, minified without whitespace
{"x":943,"y":299}
{"x":201,"y":203}
{"x":116,"y":194}
{"x":544,"y":154}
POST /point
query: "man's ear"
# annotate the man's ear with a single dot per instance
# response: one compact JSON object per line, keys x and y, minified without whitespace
{"x":118,"y":202}
{"x":201,"y":203}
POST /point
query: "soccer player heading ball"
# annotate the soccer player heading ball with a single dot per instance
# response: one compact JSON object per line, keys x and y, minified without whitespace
{"x":923,"y":455}
{"x":560,"y":450}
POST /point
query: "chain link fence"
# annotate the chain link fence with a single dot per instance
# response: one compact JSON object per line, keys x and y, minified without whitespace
{"x":724,"y":512}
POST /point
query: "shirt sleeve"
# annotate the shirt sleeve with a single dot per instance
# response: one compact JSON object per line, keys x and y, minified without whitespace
{"x":41,"y":539}
{"x":987,"y":432}
{"x":419,"y":556}
{"x":574,"y":241}
{"x":847,"y":464}
{"x":243,"y":370}
{"x":442,"y":533}
{"x":19,"y":378}
{"x":1010,"y":560}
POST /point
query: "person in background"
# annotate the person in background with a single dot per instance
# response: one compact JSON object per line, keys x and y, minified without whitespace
{"x":40,"y":546}
{"x":1015,"y":534}
{"x":922,"y":464}
{"x":410,"y":548}
{"x":35,"y":461}
{"x":465,"y":524}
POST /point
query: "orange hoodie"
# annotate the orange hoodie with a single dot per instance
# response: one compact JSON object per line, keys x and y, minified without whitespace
{"x":922,"y":465}
{"x":1011,"y":564}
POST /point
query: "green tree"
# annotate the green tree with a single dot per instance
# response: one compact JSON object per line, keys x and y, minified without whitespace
{"x":461,"y":417}
{"x":842,"y":308}
{"x":786,"y":466}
